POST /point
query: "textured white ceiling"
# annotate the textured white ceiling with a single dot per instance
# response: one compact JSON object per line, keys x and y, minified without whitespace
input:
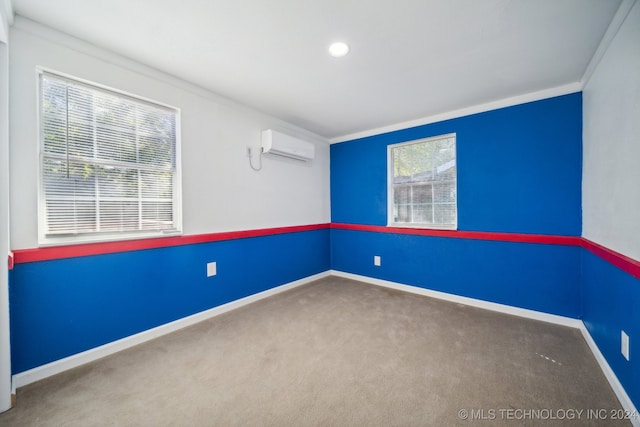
{"x":409,"y":58}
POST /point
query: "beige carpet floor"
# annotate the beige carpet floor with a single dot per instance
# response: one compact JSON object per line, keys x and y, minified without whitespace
{"x":336,"y":353}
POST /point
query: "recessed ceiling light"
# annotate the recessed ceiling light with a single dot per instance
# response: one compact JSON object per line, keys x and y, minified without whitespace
{"x":338,"y":49}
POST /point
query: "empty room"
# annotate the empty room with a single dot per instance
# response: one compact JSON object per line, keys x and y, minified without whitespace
{"x":305,"y":213}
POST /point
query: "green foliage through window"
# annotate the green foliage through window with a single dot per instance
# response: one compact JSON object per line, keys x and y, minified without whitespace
{"x":108,"y":161}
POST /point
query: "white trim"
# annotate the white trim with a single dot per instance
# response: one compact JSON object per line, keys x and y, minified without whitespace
{"x":615,"y":384}
{"x":467,"y":111}
{"x":618,"y":389}
{"x":44,"y":371}
{"x":5,"y":232}
{"x":612,"y":30}
{"x":7,"y":8}
{"x":501,"y":308}
{"x":6,"y":20}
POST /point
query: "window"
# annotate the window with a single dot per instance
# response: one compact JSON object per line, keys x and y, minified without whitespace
{"x":108,"y":164}
{"x":422,"y":183}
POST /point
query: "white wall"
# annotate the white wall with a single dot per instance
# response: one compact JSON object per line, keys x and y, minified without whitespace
{"x":611,"y":141}
{"x":5,"y":354}
{"x":220,"y":191}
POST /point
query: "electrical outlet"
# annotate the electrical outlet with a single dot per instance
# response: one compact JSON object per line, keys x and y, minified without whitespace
{"x":212,"y":269}
{"x":624,"y":344}
{"x":377,"y":261}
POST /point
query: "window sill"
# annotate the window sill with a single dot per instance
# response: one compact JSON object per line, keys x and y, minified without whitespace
{"x":451,"y":227}
{"x":68,"y":240}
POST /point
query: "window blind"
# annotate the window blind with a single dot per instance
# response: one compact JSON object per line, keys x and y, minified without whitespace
{"x":108,"y":161}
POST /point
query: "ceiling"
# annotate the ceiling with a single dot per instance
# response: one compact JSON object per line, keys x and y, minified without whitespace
{"x":409,"y":59}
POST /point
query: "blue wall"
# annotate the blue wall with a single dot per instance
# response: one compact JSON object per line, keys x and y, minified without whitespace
{"x":533,"y":276}
{"x":62,"y":307}
{"x":519,"y":169}
{"x":611,"y":303}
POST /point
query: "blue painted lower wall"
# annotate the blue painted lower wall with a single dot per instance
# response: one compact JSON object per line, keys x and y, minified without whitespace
{"x":533,"y":276}
{"x":62,"y":307}
{"x":611,"y":303}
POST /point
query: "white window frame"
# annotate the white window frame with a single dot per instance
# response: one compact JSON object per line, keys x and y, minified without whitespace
{"x":45,"y":239}
{"x":390,"y":186}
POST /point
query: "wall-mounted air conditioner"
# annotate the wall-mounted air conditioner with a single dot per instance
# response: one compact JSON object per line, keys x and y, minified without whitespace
{"x":278,"y":143}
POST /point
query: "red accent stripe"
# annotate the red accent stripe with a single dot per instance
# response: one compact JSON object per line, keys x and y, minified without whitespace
{"x":71,"y":251}
{"x":475,"y":235}
{"x":623,"y":262}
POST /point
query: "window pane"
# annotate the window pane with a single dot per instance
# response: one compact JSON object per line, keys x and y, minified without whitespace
{"x":115,"y":112}
{"x":445,"y":159}
{"x":119,"y":216}
{"x":445,"y":214}
{"x":54,"y":116}
{"x":156,"y":185}
{"x":157,"y":151}
{"x":114,"y":144}
{"x":422,"y":161}
{"x":403,"y":213}
{"x":401,"y":165}
{"x":424,"y":182}
{"x":81,"y":106}
{"x":445,"y":192}
{"x":422,"y":194}
{"x":74,"y":180}
{"x":423,"y":213}
{"x":156,"y":215}
{"x":402,"y":195}
{"x":81,"y":138}
{"x":117,"y":182}
{"x":68,"y":216}
{"x":402,"y":202}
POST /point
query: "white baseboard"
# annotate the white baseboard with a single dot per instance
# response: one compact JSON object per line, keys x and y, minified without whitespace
{"x":502,"y":308}
{"x":615,"y":384}
{"x":620,"y":392}
{"x":44,"y":371}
